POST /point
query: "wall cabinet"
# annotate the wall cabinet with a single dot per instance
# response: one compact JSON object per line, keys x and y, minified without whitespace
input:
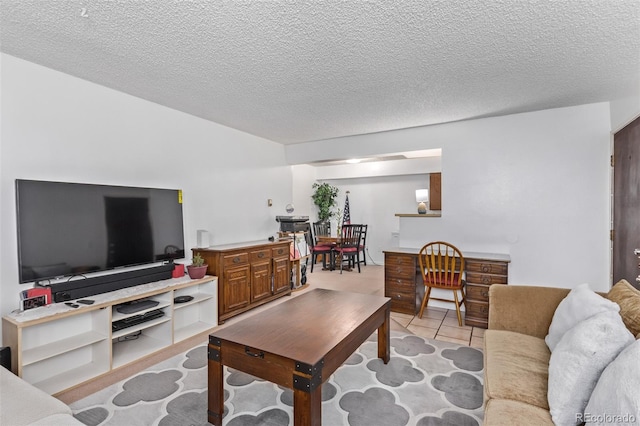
{"x":250,"y":274}
{"x":56,"y":347}
{"x":403,"y":282}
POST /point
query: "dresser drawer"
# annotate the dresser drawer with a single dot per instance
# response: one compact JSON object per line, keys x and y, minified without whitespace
{"x":236,"y":259}
{"x":487,"y":279}
{"x":495,"y":268}
{"x":477,"y":309}
{"x":400,"y":283}
{"x":280,"y":251}
{"x":478,"y":293}
{"x":402,"y":302}
{"x":400,"y":260}
{"x":259,"y":255}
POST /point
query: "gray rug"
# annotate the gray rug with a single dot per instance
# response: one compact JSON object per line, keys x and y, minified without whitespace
{"x":426,"y":383}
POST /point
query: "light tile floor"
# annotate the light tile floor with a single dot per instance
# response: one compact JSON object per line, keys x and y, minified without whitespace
{"x":436,"y":323}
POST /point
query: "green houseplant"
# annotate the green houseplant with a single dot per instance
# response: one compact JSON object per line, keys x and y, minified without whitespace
{"x":324,"y":198}
{"x":198,"y":268}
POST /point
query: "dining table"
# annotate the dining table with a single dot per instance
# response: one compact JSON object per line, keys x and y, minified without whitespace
{"x":334,"y":242}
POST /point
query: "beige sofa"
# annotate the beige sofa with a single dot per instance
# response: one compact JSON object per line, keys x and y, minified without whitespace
{"x":24,"y":404}
{"x":516,"y":355}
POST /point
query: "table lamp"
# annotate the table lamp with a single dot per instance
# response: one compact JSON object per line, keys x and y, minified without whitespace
{"x":422,"y":196}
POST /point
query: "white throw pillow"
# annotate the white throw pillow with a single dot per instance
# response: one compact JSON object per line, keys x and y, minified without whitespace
{"x":580,"y":304}
{"x":577,"y":362}
{"x":616,"y":398}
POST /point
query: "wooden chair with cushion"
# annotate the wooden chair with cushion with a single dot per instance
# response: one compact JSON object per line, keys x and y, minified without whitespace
{"x":316,"y":249}
{"x":442,"y":266}
{"x":349,"y":246}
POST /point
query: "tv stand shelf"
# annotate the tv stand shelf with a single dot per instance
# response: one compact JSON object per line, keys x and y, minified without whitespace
{"x":57,"y":347}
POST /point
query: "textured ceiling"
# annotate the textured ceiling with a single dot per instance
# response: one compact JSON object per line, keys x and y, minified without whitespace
{"x":296,"y":71}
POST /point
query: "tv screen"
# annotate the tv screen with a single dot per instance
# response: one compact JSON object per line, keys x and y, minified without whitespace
{"x":67,"y":229}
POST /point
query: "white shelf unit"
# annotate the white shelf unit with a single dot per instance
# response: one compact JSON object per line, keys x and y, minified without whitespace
{"x":195,"y":316}
{"x":135,"y":342}
{"x":57,"y":347}
{"x":66,"y":351}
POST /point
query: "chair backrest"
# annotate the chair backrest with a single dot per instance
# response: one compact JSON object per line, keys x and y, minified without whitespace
{"x":364,"y":236}
{"x":321,"y":228}
{"x":441,"y":265}
{"x":351,"y":235}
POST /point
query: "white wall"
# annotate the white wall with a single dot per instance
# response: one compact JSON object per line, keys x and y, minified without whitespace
{"x":57,"y":127}
{"x":535,"y":186}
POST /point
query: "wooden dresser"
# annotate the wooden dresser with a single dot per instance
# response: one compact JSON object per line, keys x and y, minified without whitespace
{"x":403,"y":283}
{"x":249,"y":274}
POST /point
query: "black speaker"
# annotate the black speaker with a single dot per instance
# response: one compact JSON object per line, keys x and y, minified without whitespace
{"x":5,"y":357}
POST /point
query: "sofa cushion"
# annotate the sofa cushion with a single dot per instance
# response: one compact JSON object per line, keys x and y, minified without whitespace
{"x":618,"y":390}
{"x":628,"y":297}
{"x":579,"y":359}
{"x":516,"y":367}
{"x":580,"y":304}
{"x":24,"y":404}
{"x":504,"y":412}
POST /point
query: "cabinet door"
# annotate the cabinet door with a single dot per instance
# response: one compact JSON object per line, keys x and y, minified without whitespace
{"x":237,"y":290}
{"x":281,"y":275}
{"x":260,"y":280}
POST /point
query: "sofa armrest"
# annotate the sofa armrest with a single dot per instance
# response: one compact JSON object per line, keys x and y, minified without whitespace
{"x":524,"y":309}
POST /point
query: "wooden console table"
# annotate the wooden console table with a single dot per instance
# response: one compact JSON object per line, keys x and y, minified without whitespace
{"x":403,"y":283}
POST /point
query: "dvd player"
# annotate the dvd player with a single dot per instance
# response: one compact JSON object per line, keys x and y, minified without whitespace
{"x":136,"y":319}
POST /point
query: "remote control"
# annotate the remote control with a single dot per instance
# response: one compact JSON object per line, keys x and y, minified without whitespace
{"x":73,"y":305}
{"x":85,"y":301}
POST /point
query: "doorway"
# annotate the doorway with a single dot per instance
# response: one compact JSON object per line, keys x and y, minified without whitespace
{"x":626,"y":203}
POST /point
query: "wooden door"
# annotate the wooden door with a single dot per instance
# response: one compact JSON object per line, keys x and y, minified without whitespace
{"x":281,"y":274}
{"x":626,"y":203}
{"x":260,"y":279}
{"x":236,"y":286}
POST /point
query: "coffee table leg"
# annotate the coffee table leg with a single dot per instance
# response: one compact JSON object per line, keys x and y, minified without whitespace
{"x":384,"y":337}
{"x":307,"y":407}
{"x":215,"y":385}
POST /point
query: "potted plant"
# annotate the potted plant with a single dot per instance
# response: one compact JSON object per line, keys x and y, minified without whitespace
{"x":324,"y":198}
{"x":197,"y":269}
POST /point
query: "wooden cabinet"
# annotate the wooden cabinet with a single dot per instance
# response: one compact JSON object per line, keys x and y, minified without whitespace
{"x":481,"y":274}
{"x":57,"y":347}
{"x":403,"y":283}
{"x":250,"y":274}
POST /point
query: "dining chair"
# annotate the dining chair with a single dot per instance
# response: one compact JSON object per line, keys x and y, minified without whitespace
{"x":442,"y":266}
{"x":316,"y":249}
{"x":349,"y":245}
{"x":322,"y":228}
{"x":362,"y":246}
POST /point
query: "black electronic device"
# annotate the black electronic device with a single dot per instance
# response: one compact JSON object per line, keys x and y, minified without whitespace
{"x":73,"y":229}
{"x":136,"y":306}
{"x":182,"y":299}
{"x":73,"y":305}
{"x":136,"y":319}
{"x":86,"y":301}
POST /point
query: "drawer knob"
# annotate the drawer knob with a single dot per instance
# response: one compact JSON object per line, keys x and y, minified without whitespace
{"x":485,"y":294}
{"x":397,"y":296}
{"x":486,"y":268}
{"x":261,"y":255}
{"x":236,"y":259}
{"x":249,"y":352}
{"x":486,"y":280}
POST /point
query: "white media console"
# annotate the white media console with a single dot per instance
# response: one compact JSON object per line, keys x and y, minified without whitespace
{"x":57,"y":347}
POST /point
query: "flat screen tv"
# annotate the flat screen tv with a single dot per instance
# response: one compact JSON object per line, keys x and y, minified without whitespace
{"x":69,"y":229}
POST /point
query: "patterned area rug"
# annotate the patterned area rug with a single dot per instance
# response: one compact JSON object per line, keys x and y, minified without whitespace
{"x":426,"y":383}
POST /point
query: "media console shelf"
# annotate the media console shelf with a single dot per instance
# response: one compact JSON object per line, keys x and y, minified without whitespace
{"x":57,"y":347}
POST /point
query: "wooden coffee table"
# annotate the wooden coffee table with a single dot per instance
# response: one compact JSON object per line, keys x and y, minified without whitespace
{"x":298,"y":344}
